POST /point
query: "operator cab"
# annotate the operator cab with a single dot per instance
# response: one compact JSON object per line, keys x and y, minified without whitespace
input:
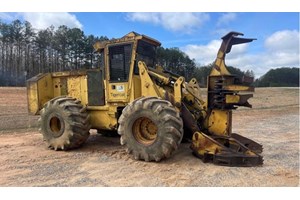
{"x":121,"y":52}
{"x":121,"y":57}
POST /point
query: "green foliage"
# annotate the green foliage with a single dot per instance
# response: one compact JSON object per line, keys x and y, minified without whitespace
{"x":281,"y":77}
{"x":25,"y":51}
{"x":201,"y":73}
{"x":176,"y":61}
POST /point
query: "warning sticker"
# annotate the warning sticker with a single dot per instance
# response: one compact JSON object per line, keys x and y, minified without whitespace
{"x":120,"y":88}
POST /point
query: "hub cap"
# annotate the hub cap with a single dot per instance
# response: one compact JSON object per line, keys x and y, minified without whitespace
{"x":144,"y":131}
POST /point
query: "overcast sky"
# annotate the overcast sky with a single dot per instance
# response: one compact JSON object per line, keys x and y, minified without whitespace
{"x":195,"y":33}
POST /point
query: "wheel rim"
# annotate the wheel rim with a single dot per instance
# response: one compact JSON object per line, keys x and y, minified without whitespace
{"x":56,"y":125}
{"x":144,"y":130}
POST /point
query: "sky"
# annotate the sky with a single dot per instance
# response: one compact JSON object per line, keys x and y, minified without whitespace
{"x":195,"y":33}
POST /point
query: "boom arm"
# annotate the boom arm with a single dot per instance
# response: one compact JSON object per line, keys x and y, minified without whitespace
{"x":229,"y":40}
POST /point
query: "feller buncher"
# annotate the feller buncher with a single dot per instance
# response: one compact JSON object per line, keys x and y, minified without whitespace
{"x":152,"y":109}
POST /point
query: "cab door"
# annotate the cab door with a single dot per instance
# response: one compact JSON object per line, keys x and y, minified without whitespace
{"x":119,"y":70}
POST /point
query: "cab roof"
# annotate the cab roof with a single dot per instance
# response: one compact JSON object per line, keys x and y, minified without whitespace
{"x":131,"y":36}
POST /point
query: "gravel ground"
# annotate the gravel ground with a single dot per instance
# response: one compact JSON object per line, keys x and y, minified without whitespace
{"x":102,"y":161}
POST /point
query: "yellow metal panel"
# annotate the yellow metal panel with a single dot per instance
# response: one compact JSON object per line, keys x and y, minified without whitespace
{"x":104,"y":117}
{"x":56,"y":87}
{"x":101,"y":108}
{"x":69,"y":73}
{"x":83,"y":89}
{"x":203,"y":144}
{"x":40,"y":91}
{"x":74,"y":86}
{"x":162,"y":78}
{"x":32,"y":98}
{"x":219,"y":122}
{"x":178,"y":91}
{"x":219,"y":68}
{"x":136,"y":88}
{"x":45,"y":90}
{"x":239,"y":88}
{"x":102,"y":120}
{"x":232,"y":98}
{"x":147,"y":86}
{"x":118,"y":92}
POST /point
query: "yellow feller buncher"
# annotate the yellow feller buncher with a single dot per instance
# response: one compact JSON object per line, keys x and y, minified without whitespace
{"x":151,"y":108}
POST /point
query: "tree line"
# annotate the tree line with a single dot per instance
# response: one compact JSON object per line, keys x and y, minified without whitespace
{"x":176,"y":61}
{"x":26,"y":51}
{"x":280,"y":77}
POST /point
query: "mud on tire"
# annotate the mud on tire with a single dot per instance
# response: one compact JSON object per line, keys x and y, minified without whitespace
{"x":150,"y":128}
{"x":64,"y":123}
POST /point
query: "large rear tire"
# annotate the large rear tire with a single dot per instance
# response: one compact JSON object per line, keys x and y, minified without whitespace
{"x":150,"y":128}
{"x":64,"y":123}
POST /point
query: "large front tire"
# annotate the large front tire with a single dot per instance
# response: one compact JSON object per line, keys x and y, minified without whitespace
{"x":150,"y":128}
{"x":64,"y":123}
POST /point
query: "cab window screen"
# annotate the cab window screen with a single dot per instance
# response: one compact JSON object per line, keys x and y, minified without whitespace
{"x":119,"y":62}
{"x":146,"y":53}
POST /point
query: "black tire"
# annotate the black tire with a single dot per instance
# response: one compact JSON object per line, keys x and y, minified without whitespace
{"x":64,"y":123}
{"x":150,"y":128}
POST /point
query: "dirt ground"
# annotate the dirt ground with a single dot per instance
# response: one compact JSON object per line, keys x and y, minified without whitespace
{"x":102,"y":161}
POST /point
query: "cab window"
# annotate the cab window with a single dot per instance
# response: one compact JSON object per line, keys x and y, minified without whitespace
{"x":119,"y":65}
